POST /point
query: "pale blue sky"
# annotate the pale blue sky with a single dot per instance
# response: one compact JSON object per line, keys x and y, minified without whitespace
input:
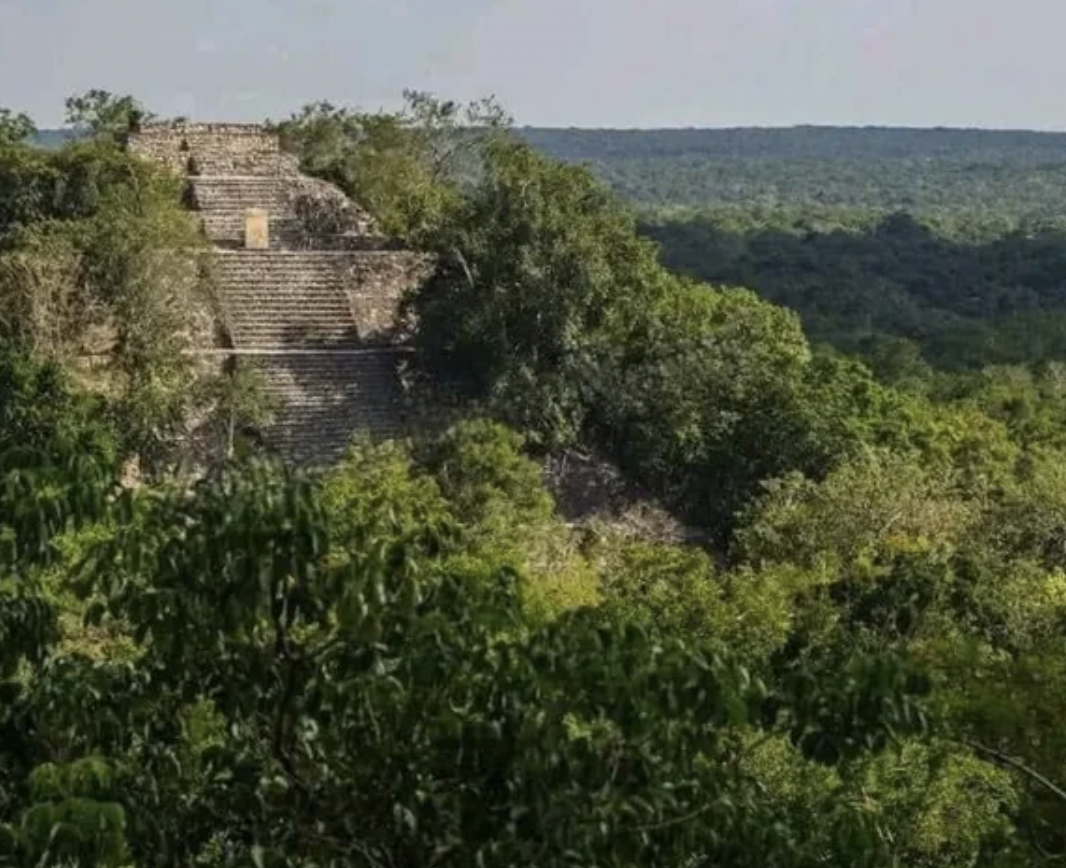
{"x":992,"y":63}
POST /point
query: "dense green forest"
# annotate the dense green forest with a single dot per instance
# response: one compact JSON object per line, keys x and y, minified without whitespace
{"x":412,"y":659}
{"x":1002,"y":173}
{"x":966,"y":292}
{"x":948,"y":244}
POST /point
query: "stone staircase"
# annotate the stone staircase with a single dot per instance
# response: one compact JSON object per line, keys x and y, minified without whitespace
{"x":323,"y":398}
{"x":265,"y":161}
{"x":314,"y":312}
{"x":276,"y":300}
{"x":224,"y":201}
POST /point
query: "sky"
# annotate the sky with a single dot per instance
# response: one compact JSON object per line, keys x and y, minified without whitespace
{"x":588,"y":63}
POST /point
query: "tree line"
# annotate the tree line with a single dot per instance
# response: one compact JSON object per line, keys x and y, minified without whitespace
{"x":967,"y":292}
{"x":923,"y":171}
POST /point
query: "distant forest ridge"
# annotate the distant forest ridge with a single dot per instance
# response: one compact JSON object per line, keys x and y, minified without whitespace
{"x":799,"y":143}
{"x":53,"y":138}
{"x":924,"y":171}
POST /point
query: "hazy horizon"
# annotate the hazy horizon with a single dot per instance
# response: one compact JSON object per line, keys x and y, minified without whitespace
{"x":624,"y":65}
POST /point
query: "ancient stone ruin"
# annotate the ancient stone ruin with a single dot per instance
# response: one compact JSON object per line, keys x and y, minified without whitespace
{"x":308,"y":291}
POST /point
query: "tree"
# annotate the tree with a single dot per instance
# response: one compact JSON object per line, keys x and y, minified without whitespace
{"x":15,"y":129}
{"x":403,"y":167}
{"x":106,"y":115}
{"x":99,"y":262}
{"x":535,"y":269}
{"x":699,"y":398}
{"x":886,"y":553}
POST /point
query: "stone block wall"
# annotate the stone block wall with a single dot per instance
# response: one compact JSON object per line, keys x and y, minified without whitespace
{"x":213,"y":149}
{"x":376,"y":282}
{"x":278,"y":299}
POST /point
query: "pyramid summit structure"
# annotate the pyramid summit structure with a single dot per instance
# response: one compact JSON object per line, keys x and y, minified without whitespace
{"x":308,"y":291}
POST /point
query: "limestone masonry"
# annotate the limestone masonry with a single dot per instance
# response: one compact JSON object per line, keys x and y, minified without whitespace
{"x":308,"y":290}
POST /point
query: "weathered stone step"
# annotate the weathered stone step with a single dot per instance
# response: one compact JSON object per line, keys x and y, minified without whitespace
{"x":304,"y":276}
{"x":326,"y":398}
{"x":281,"y":331}
{"x":296,"y":286}
{"x":322,"y":260}
{"x":229,"y":230}
{"x":277,"y":300}
{"x":220,"y":198}
{"x":238,"y":183}
{"x":290,"y":201}
{"x":265,"y":311}
{"x":267,"y":161}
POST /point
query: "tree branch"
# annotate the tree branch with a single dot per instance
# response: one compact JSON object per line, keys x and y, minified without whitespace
{"x":676,"y":821}
{"x":1010,"y":762}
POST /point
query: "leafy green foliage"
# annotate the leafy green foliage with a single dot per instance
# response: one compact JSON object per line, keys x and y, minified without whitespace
{"x":73,"y":819}
{"x":549,"y":312}
{"x":538,"y":265}
{"x":401,"y":166}
{"x":966,"y":290}
{"x":897,"y":556}
{"x":41,"y":410}
{"x":104,"y":114}
{"x":299,"y":702}
{"x":948,"y":239}
{"x":704,"y":403}
{"x":15,"y":128}
{"x":96,"y":260}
